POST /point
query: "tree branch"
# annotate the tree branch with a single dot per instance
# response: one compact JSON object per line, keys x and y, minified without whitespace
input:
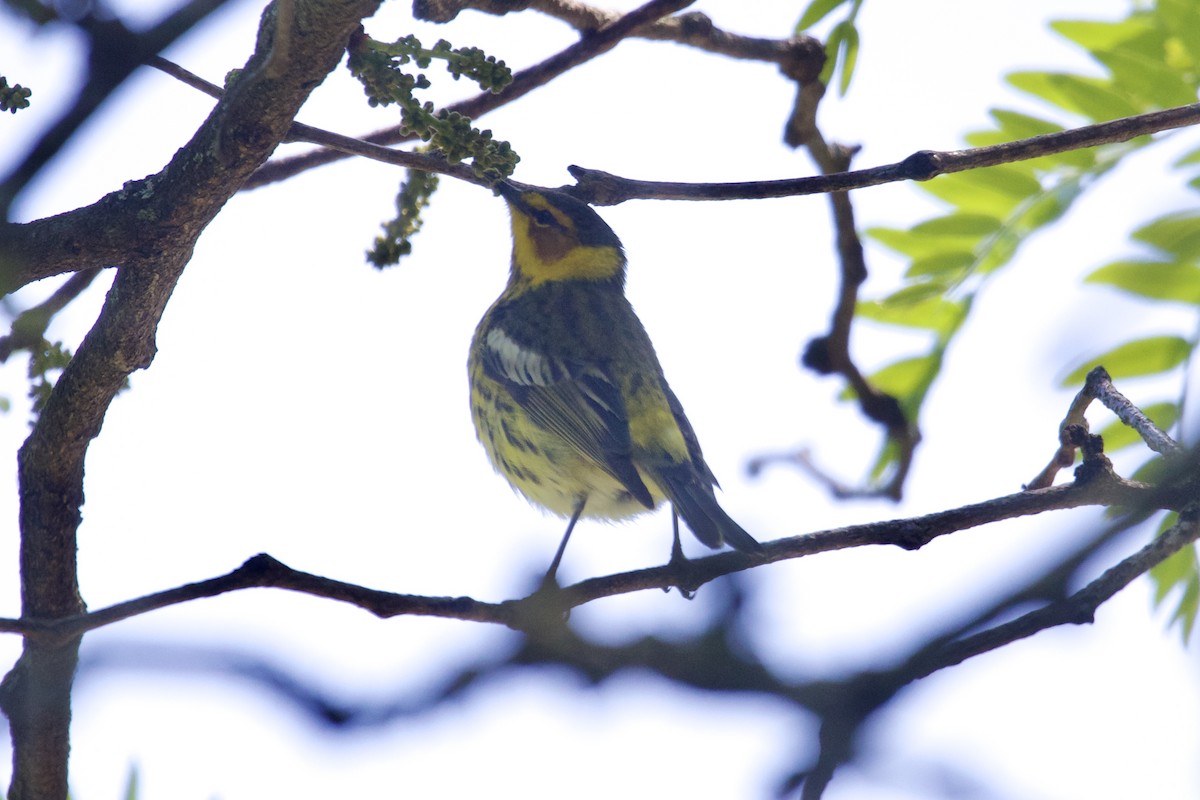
{"x":714,"y":660}
{"x":801,"y":56}
{"x":149,"y":230}
{"x":911,"y":534}
{"x":114,"y":53}
{"x":830,"y":354}
{"x":1099,"y":386}
{"x":525,"y":81}
{"x":299,"y":132}
{"x":980,"y":633}
{"x":603,"y":188}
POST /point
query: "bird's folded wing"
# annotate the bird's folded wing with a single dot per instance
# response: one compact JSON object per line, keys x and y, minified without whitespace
{"x":578,"y":401}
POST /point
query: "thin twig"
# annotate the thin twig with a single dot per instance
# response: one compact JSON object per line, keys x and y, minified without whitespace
{"x":830,"y":353}
{"x":861,"y":695}
{"x":1076,"y":609}
{"x":299,"y":132}
{"x":802,"y":459}
{"x":1099,"y":386}
{"x":525,"y":81}
{"x":800,"y":56}
{"x":604,"y":188}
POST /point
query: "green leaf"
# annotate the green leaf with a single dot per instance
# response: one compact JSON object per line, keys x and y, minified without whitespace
{"x":1189,"y":158}
{"x":848,"y":57}
{"x":889,"y":455}
{"x":1117,"y":434}
{"x":916,"y":293}
{"x":1001,"y":248}
{"x":952,"y":263}
{"x":932,"y":313}
{"x":1149,"y":356}
{"x":1180,"y":571}
{"x":911,"y":243}
{"x":1149,"y":80}
{"x":1173,"y":570}
{"x":1185,"y":612}
{"x":1175,"y":234}
{"x":833,"y":45}
{"x":817,"y":10}
{"x":1181,"y":19}
{"x":994,"y":191}
{"x":1022,"y":126}
{"x":906,"y":377}
{"x":1156,"y":280}
{"x":1101,"y":36}
{"x":131,"y":784}
{"x":1093,"y":98}
{"x":934,"y":237}
{"x":965,"y":226}
{"x":1043,"y":210}
{"x":996,"y":210}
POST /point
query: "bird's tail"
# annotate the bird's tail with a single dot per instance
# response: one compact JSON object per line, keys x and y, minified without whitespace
{"x":697,"y":504}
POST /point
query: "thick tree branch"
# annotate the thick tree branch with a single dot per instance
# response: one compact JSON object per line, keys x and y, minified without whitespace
{"x":148,"y":230}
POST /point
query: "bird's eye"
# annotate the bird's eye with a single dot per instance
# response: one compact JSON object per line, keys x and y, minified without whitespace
{"x":543,"y":217}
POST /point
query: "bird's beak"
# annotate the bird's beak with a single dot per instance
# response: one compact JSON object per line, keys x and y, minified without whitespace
{"x":510,"y":193}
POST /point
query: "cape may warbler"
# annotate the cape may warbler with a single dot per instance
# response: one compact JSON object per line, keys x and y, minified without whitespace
{"x":567,"y":395}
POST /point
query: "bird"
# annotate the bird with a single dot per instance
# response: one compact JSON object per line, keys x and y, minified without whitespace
{"x":567,"y":394}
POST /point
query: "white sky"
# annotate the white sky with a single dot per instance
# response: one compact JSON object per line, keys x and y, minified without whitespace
{"x":305,"y":405}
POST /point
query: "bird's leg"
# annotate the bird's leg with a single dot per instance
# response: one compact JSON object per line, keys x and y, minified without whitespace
{"x":679,"y":562}
{"x":676,"y":546}
{"x":562,"y":546}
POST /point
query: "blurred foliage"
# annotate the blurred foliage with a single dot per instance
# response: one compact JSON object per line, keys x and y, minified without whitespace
{"x":1152,"y":61}
{"x":13,"y":98}
{"x":841,"y":44}
{"x":1177,"y":577}
{"x":132,"y":791}
{"x":46,"y":362}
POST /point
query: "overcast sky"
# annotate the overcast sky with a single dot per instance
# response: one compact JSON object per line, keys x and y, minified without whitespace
{"x":306,"y":405}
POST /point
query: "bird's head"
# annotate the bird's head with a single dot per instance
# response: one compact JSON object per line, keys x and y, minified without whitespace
{"x":557,"y":238}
